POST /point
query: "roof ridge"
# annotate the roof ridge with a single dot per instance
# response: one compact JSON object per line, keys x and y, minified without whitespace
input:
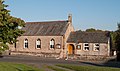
{"x":90,"y":32}
{"x":48,"y":21}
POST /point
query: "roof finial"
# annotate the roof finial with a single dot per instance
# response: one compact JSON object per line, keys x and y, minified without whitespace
{"x":70,"y":18}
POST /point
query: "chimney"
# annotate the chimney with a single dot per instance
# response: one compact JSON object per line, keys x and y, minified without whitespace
{"x":70,"y":18}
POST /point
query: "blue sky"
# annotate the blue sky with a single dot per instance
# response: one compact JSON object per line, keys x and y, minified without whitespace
{"x":98,"y":14}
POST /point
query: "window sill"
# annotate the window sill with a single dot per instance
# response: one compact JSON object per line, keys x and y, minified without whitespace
{"x":86,"y":50}
{"x":38,"y":48}
{"x":25,"y":48}
{"x":96,"y":50}
{"x":52,"y":49}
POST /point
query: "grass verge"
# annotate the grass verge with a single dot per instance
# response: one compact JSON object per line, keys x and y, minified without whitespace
{"x":7,"y":66}
{"x":88,"y":68}
{"x":55,"y":68}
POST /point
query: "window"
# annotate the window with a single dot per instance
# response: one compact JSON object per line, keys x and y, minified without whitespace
{"x":52,"y":43}
{"x":38,"y":43}
{"x":78,"y":47}
{"x":58,"y":46}
{"x":96,"y":47}
{"x":26,"y":43}
{"x":86,"y":46}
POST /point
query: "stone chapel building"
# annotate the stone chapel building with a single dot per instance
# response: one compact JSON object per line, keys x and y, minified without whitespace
{"x":58,"y":39}
{"x":44,"y":38}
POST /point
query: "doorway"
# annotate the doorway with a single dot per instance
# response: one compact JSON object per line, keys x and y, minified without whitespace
{"x":71,"y":49}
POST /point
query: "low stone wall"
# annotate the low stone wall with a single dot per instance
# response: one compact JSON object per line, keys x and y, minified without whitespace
{"x":87,"y":57}
{"x":42,"y":54}
{"x":6,"y":52}
{"x":56,"y":55}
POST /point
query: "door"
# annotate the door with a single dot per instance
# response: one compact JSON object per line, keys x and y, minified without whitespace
{"x":70,"y":49}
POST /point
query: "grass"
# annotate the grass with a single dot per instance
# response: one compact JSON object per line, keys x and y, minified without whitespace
{"x":54,"y":68}
{"x":88,"y":68}
{"x":5,"y":66}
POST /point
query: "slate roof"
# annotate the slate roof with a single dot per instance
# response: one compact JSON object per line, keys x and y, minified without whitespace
{"x":50,"y":28}
{"x":88,"y":37}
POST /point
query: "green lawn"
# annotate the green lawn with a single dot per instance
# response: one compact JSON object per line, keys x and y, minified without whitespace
{"x":5,"y":66}
{"x":88,"y":68}
{"x":55,"y":68}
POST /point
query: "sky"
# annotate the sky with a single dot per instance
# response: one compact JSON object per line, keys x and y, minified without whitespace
{"x":98,"y":14}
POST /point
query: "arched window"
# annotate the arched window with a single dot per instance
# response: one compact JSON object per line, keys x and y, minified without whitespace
{"x":52,"y":43}
{"x":26,"y":43}
{"x":38,"y":43}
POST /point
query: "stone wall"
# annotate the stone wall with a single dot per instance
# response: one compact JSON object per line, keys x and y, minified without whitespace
{"x":45,"y":44}
{"x":103,"y":49}
{"x":87,"y":57}
{"x":39,"y":54}
{"x":65,"y":38}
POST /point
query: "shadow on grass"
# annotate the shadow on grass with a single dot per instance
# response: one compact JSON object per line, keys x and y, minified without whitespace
{"x":108,"y":63}
{"x":91,"y":63}
{"x":112,"y":63}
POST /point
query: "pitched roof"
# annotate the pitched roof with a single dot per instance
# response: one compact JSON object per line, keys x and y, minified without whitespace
{"x":51,"y":28}
{"x":88,"y":37}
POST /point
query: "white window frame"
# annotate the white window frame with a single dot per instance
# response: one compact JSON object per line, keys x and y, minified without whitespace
{"x":95,"y":47}
{"x":52,"y":44}
{"x":38,"y":43}
{"x":84,"y":45}
{"x":26,"y":42}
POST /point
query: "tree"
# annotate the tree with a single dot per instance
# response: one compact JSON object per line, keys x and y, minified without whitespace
{"x":90,"y":30}
{"x":113,"y":37}
{"x":9,"y":27}
{"x":117,"y":42}
{"x":93,"y":30}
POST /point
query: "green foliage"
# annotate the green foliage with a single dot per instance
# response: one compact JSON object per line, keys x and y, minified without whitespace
{"x":90,"y":30}
{"x":93,"y":30}
{"x":113,"y":36}
{"x":3,"y":47}
{"x":87,"y":68}
{"x":117,"y":38}
{"x":55,"y":68}
{"x":117,"y":42}
{"x":9,"y":30}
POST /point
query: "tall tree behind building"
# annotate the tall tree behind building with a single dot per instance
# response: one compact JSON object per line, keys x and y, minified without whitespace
{"x":117,"y":42}
{"x":93,"y":30}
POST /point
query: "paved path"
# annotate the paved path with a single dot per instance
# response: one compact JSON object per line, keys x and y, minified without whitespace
{"x":40,"y":61}
{"x":37,"y":60}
